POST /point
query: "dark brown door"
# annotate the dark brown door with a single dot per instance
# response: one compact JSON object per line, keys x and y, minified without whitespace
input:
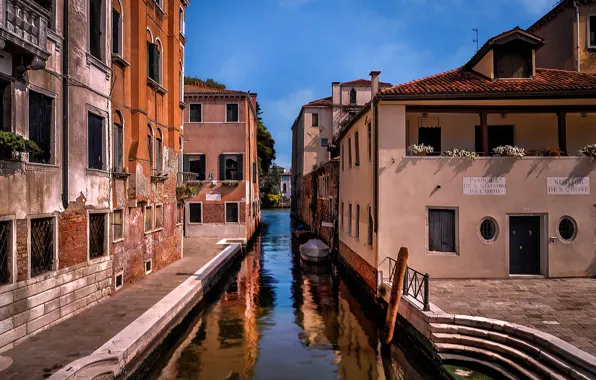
{"x":524,"y":245}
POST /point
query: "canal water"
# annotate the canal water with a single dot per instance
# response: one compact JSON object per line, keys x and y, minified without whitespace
{"x":278,"y":317}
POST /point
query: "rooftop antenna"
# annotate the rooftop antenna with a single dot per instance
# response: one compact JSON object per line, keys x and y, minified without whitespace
{"x":476,"y":40}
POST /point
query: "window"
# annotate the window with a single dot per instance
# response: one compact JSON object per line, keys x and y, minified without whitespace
{"x":196,"y":113}
{"x":441,"y":230}
{"x":150,"y":148}
{"x":513,"y":60}
{"x":95,"y":28}
{"x":342,"y":216}
{"x":117,"y":225}
{"x":182,"y":21}
{"x":430,"y":136}
{"x":356,"y":149}
{"x":254,"y":172}
{"x":40,"y":126}
{"x":95,"y":141}
{"x":315,"y":119}
{"x":230,"y":167}
{"x":195,"y":163}
{"x":42,"y":246}
{"x":567,"y":229}
{"x":159,"y":152}
{"x":349,"y":153}
{"x":179,"y":213}
{"x":116,"y":30}
{"x":324,"y":141}
{"x":148,"y":218}
{"x":369,"y":240}
{"x":352,"y":96}
{"x":119,"y":281}
{"x":118,"y":143}
{"x":342,"y":157}
{"x":148,"y":266}
{"x":231,"y":212}
{"x":97,"y":234}
{"x":159,"y":216}
{"x":232,"y":113}
{"x":284,"y":188}
{"x":196,"y":212}
{"x":357,"y":233}
{"x":369,"y":128}
{"x":349,"y":219}
{"x":488,"y":229}
{"x":592,"y":31}
{"x":5,"y":105}
{"x":5,"y":251}
{"x":497,"y":135}
{"x":153,"y":61}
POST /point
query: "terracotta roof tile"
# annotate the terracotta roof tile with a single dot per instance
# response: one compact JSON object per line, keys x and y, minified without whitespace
{"x":461,"y":83}
{"x":321,"y":102}
{"x":200,"y":89}
{"x":364,"y":82}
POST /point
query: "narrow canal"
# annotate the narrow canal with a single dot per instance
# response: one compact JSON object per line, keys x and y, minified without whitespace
{"x":278,"y":317}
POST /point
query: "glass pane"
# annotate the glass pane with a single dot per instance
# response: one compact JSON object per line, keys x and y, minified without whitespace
{"x":195,"y":213}
{"x":158,"y":216}
{"x":148,"y":220}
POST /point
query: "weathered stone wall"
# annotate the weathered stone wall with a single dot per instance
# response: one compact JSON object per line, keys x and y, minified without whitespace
{"x":22,"y":252}
{"x":72,"y":234}
{"x":366,"y":272}
{"x":28,"y":307}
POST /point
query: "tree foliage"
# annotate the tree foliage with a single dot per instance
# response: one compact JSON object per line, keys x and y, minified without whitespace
{"x":211,"y":83}
{"x":271,"y":185}
{"x":265,"y":145}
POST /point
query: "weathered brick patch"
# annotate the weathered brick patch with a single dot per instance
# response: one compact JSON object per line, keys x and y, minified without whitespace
{"x":366,"y":271}
{"x":28,"y":307}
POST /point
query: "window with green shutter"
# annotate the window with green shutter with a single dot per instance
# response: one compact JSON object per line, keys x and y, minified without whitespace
{"x":195,"y":163}
{"x":231,"y":167}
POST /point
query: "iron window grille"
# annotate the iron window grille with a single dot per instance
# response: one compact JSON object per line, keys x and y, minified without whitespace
{"x":567,"y":229}
{"x":42,"y":246}
{"x":488,"y":229}
{"x":96,"y":235}
{"x":196,"y":114}
{"x":4,"y":252}
{"x":117,"y":224}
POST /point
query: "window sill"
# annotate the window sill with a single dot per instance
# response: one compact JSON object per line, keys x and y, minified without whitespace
{"x":98,"y":63}
{"x":121,"y":175}
{"x":194,"y":223}
{"x":156,"y":86}
{"x":179,"y":224}
{"x":438,"y":253}
{"x":119,"y":240}
{"x":183,"y":106}
{"x":98,"y":172}
{"x":120,"y":61}
{"x":35,"y":166}
{"x":158,"y":229}
{"x":159,"y":178}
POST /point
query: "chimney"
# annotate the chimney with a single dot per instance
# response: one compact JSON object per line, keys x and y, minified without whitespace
{"x":335,"y":93}
{"x":253,"y":99}
{"x":374,"y":80}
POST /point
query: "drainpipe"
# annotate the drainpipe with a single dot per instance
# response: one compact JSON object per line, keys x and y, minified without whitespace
{"x":375,"y":121}
{"x":577,"y":26}
{"x":65,"y":105}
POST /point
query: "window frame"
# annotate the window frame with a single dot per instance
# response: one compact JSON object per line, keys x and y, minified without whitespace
{"x":314,"y":116}
{"x":116,"y":239}
{"x":357,"y":220}
{"x":370,"y":231}
{"x":55,"y":257}
{"x":179,"y":218}
{"x":186,"y":158}
{"x":226,"y":212}
{"x":190,"y":120}
{"x":575,"y":228}
{"x":342,"y":156}
{"x":106,"y":233}
{"x":151,"y":220}
{"x":324,"y":142}
{"x":120,"y":37}
{"x":369,"y":138}
{"x":237,"y":112}
{"x":159,"y":206}
{"x":182,"y":21}
{"x":342,"y":217}
{"x":455,"y":230}
{"x":159,"y":157}
{"x":52,"y":133}
{"x":120,"y":127}
{"x":103,"y":139}
{"x":355,"y":96}
{"x":102,"y":34}
{"x":588,"y":25}
{"x":239,"y":162}
{"x":12,"y":249}
{"x":350,"y":162}
{"x":356,"y":149}
{"x":202,"y":213}
{"x":350,"y":218}
{"x":151,"y":149}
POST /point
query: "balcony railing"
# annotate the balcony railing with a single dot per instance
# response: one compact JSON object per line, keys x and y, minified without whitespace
{"x":184,"y":177}
{"x":24,"y":25}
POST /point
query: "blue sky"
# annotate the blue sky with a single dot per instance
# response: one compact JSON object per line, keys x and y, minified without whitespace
{"x":289,"y":51}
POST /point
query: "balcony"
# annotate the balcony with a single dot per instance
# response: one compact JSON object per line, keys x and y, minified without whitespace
{"x":184,"y":177}
{"x":23,"y":32}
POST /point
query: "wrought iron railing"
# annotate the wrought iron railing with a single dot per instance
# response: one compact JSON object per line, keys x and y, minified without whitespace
{"x":96,"y":235}
{"x":42,"y":245}
{"x":415,"y":283}
{"x":4,"y":252}
{"x":184,"y":177}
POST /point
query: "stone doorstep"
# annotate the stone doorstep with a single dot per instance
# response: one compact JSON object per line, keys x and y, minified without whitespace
{"x":136,"y":336}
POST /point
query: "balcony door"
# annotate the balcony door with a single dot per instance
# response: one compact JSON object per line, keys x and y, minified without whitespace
{"x":497,"y":135}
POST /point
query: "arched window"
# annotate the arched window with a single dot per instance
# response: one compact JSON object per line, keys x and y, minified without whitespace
{"x":158,"y":151}
{"x":352,"y":96}
{"x":153,"y":57}
{"x":150,"y":147}
{"x":118,"y":140}
{"x":159,"y":60}
{"x":285,"y":189}
{"x":117,"y":28}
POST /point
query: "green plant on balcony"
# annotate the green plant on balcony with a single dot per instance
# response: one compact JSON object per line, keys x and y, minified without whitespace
{"x":231,"y":183}
{"x":187,"y":191}
{"x":509,"y":151}
{"x":420,"y":150}
{"x":588,"y":151}
{"x":463,"y":153}
{"x":11,"y":143}
{"x":551,"y":151}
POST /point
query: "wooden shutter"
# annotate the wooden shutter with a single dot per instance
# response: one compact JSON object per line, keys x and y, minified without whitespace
{"x":434,"y":230}
{"x":254,"y":172}
{"x":441,"y":230}
{"x":152,"y":61}
{"x":185,"y":163}
{"x":240,"y":171}
{"x":94,"y":141}
{"x":222,"y":167}
{"x":202,"y":170}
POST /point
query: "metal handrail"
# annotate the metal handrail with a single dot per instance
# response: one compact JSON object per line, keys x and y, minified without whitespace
{"x":415,"y":283}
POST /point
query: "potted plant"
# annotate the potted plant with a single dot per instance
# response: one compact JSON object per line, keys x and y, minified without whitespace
{"x":551,"y":151}
{"x":420,"y":150}
{"x":509,"y":151}
{"x":588,"y":151}
{"x":463,"y":153}
{"x":12,"y":144}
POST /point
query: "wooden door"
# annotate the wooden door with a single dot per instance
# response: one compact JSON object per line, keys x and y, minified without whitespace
{"x":524,"y":245}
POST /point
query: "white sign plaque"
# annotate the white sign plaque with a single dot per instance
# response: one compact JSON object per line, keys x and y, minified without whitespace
{"x":485,"y":186}
{"x":213,"y":197}
{"x":568,"y":185}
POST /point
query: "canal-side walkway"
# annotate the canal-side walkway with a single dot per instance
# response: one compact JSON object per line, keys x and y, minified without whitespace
{"x":565,"y":308}
{"x":81,"y":335}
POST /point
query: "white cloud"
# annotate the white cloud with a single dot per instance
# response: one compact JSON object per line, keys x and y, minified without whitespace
{"x":538,"y":7}
{"x":293,"y":4}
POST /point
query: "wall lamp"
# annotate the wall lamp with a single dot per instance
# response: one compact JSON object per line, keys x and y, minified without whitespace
{"x":584,"y":114}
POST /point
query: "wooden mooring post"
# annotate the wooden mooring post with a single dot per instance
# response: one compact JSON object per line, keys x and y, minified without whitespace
{"x":396,"y":290}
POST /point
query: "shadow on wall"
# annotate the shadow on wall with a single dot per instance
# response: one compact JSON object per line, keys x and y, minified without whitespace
{"x":498,"y":167}
{"x":539,"y":166}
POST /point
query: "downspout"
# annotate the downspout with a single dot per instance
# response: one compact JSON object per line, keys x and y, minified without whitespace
{"x":577,"y":48}
{"x":375,"y":108}
{"x":65,"y":105}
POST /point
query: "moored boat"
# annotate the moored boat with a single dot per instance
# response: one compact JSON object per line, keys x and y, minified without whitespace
{"x":314,"y":250}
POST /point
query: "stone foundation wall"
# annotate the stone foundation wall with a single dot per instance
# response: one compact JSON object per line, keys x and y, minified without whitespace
{"x":28,"y":307}
{"x":367,"y":272}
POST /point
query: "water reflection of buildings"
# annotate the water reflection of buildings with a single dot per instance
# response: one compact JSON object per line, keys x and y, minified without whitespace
{"x":225,"y":345}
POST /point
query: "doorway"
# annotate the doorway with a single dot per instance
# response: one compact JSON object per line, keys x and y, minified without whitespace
{"x":524,"y":245}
